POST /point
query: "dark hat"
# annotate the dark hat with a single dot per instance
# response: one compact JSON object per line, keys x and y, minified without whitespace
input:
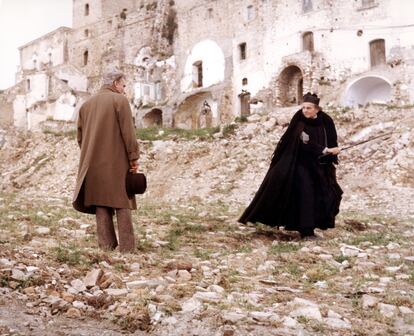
{"x":311,"y":98}
{"x":136,"y":183}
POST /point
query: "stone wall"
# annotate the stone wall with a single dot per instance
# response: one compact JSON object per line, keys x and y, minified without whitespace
{"x":179,"y":54}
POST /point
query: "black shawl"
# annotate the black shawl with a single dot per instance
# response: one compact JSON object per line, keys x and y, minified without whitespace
{"x":271,"y":204}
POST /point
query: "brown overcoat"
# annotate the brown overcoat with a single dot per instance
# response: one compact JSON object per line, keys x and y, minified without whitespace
{"x":107,"y":141}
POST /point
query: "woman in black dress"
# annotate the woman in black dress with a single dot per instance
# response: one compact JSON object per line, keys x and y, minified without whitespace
{"x":300,"y":191}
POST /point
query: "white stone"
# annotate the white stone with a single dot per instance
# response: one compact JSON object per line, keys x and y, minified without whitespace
{"x":6,"y":262}
{"x":32,"y":269}
{"x":405,"y":310}
{"x":337,"y":323}
{"x":325,"y":256}
{"x":191,"y":305}
{"x":369,"y":301}
{"x":321,"y":284}
{"x":395,"y":256}
{"x":170,"y":320}
{"x":91,"y":279}
{"x":98,"y":292}
{"x":78,"y":304}
{"x":172,"y":274}
{"x":306,"y":309}
{"x":233,"y":317}
{"x":270,"y":124}
{"x":73,"y":291}
{"x":145,"y":283}
{"x":268,"y":265}
{"x":42,"y":230}
{"x":216,"y":288}
{"x":184,"y":276}
{"x":18,"y":275}
{"x":308,"y":312}
{"x":333,"y":314}
{"x":262,"y":316}
{"x":210,"y":297}
{"x":116,"y":291}
{"x":393,"y":246}
{"x":152,"y":308}
{"x":290,"y":322}
{"x":254,"y":118}
{"x":385,"y":280}
{"x":393,"y":269}
{"x":387,"y":310}
{"x":135,"y":267}
{"x":78,"y":285}
{"x":350,"y":251}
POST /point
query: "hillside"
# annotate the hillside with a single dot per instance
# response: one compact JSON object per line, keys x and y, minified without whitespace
{"x":196,"y":270}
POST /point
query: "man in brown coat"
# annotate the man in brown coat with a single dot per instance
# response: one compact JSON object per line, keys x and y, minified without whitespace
{"x":109,"y":148}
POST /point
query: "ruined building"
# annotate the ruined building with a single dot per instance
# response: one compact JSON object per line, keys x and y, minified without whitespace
{"x":199,"y":63}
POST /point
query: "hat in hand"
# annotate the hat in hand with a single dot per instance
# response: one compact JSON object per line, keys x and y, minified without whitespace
{"x":136,"y":183}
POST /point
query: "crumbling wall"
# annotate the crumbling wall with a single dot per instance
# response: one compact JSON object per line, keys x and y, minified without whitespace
{"x":46,"y":51}
{"x":6,"y":110}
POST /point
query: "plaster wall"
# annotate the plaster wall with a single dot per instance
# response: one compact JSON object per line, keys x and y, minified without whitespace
{"x":213,"y":65}
{"x":38,"y":89}
{"x":50,"y":50}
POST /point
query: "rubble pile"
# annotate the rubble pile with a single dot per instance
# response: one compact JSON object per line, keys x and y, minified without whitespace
{"x":197,"y":271}
{"x":231,"y":167}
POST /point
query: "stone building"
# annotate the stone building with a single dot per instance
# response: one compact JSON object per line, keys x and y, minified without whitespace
{"x":200,"y":63}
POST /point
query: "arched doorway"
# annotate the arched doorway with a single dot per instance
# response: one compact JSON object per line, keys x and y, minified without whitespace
{"x":367,"y":89}
{"x":153,"y":118}
{"x":190,"y":110}
{"x":290,"y":86}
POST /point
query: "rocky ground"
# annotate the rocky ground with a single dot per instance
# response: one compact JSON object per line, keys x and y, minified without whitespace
{"x":197,"y":271}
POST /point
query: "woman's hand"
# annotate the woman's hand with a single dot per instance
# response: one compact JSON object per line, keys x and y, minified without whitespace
{"x":334,"y":150}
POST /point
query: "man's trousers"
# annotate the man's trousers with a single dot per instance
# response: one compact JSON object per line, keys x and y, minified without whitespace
{"x":106,"y":231}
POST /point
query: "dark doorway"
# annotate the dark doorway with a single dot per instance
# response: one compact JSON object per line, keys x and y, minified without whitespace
{"x":307,"y":41}
{"x":377,"y":52}
{"x":290,"y":86}
{"x":153,"y":118}
{"x":244,"y":103}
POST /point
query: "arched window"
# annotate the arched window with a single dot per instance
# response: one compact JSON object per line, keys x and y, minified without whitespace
{"x":377,"y":52}
{"x":307,"y":41}
{"x":86,"y":9}
{"x":85,"y":57}
{"x":244,"y":81}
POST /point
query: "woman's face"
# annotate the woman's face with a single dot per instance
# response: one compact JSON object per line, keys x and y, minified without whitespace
{"x":310,"y":110}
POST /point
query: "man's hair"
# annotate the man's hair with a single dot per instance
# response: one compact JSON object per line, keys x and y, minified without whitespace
{"x":112,"y":76}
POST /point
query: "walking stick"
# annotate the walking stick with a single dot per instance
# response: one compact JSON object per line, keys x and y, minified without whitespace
{"x":356,"y":144}
{"x":364,"y":141}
